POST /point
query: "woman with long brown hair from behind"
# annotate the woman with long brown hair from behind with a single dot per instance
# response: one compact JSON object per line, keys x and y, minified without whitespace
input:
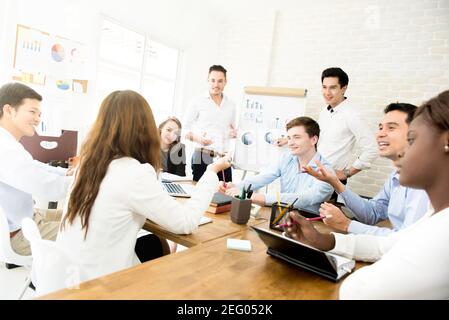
{"x":116,"y":188}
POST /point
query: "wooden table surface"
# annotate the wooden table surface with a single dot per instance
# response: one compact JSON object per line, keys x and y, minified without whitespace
{"x":221,"y":226}
{"x":209,"y":271}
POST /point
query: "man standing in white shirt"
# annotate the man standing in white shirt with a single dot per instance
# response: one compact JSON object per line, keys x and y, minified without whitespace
{"x":210,"y":124}
{"x":21,"y":177}
{"x":342,"y":127}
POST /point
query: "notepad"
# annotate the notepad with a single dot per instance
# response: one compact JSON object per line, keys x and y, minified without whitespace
{"x":205,"y":220}
{"x":241,"y":245}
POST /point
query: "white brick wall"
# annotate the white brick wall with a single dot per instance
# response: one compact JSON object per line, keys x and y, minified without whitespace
{"x":392,"y":51}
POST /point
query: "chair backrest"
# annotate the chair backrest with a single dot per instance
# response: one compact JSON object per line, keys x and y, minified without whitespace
{"x":7,"y":254}
{"x":53,"y":268}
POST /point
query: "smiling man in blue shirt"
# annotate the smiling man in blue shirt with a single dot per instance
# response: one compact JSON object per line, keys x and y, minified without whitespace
{"x":303,"y":134}
{"x":403,"y":206}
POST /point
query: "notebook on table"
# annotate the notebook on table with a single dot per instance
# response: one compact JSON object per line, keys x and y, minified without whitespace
{"x":328,"y":265}
{"x":220,"y":203}
{"x":220,"y":199}
{"x":178,"y":190}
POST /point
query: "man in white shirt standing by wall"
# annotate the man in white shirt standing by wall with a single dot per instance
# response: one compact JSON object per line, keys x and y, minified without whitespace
{"x":342,"y":127}
{"x":210,"y":124}
{"x":21,"y":177}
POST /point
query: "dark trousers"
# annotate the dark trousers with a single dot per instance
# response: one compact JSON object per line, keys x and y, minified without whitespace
{"x":200,"y":161}
{"x":148,"y":247}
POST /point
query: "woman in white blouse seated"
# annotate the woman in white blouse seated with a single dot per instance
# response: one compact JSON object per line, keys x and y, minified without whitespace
{"x":412,"y":263}
{"x":116,"y":188}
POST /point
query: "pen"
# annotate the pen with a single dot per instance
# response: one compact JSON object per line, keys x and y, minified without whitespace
{"x":242,"y":195}
{"x":279,"y":204}
{"x":319,"y":218}
{"x":278,"y":196}
{"x":281,"y":211}
{"x":284,"y":225}
{"x":248,"y":195}
{"x":224,"y":179}
{"x":279,"y":217}
{"x":293,"y":203}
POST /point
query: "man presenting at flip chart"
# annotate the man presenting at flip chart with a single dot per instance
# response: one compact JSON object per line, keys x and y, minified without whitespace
{"x":210,"y":124}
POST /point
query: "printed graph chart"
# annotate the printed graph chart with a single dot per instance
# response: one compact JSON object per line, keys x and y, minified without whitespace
{"x":58,"y":52}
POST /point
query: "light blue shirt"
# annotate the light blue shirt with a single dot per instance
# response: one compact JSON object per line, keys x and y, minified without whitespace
{"x":295,"y":184}
{"x":401,"y":205}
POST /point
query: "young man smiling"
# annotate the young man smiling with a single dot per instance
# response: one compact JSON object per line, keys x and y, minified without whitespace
{"x":303,"y":134}
{"x":403,"y":206}
{"x":342,"y":127}
{"x":21,"y":177}
{"x":210,"y":124}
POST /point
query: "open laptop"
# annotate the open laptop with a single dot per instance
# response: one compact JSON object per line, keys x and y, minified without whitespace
{"x":178,"y":190}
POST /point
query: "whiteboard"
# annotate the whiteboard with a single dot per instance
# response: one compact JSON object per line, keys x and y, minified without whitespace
{"x":264,"y":112}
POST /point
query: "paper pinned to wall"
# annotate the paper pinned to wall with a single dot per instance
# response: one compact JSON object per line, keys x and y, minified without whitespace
{"x":263,"y":115}
{"x":48,"y":60}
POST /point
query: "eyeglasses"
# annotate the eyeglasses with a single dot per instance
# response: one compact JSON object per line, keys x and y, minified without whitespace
{"x":330,"y":109}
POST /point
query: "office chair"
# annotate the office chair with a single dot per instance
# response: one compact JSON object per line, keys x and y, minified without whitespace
{"x":53,"y":268}
{"x":7,"y":254}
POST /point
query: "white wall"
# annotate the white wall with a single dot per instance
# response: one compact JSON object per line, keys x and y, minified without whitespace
{"x":190,"y":28}
{"x":67,"y":19}
{"x":392,"y":50}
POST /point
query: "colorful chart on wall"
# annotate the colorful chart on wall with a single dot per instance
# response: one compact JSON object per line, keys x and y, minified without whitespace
{"x":58,"y":52}
{"x":64,"y":85}
{"x":49,"y":60}
{"x":263,"y":115}
{"x":30,"y":61}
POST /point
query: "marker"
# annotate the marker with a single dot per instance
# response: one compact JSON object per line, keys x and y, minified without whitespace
{"x":243,"y":193}
{"x":249,"y":192}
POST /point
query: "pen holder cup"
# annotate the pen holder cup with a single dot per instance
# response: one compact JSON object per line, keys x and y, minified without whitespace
{"x":279,"y":215}
{"x":240,"y":210}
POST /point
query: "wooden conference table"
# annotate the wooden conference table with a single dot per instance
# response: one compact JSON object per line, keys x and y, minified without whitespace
{"x":208,"y":270}
{"x":221,"y":226}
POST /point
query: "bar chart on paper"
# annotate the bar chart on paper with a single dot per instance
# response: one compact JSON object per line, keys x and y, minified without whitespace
{"x":263,"y":115}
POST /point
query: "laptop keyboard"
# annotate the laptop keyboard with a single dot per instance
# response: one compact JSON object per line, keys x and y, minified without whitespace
{"x":174,"y":188}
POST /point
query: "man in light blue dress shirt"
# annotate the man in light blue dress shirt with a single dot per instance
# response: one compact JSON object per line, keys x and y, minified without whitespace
{"x":403,"y":206}
{"x":308,"y":192}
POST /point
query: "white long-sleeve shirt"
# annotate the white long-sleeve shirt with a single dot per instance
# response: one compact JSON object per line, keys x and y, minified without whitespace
{"x":341,"y":129}
{"x":205,"y":118}
{"x":22,"y":178}
{"x":411,"y":264}
{"x":130,"y":193}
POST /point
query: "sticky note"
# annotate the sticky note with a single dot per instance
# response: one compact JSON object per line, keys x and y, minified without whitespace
{"x":242,"y":245}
